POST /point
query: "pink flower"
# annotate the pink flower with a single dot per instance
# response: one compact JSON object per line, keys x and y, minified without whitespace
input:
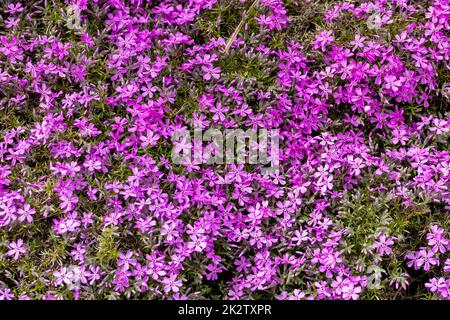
{"x":26,"y":214}
{"x":149,"y":139}
{"x":392,"y":83}
{"x":323,"y":39}
{"x":16,"y":249}
{"x":63,"y":276}
{"x":211,"y":72}
{"x":383,"y":245}
{"x":435,"y":285}
{"x":427,"y":259}
{"x":171,"y":284}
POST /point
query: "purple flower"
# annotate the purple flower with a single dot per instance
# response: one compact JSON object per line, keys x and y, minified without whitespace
{"x":383,"y":245}
{"x":171,"y":284}
{"x":16,"y":249}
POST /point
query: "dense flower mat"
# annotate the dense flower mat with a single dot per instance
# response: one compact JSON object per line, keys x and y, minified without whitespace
{"x":92,"y":207}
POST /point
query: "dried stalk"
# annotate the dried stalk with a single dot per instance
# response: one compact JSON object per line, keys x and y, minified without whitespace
{"x":239,"y":26}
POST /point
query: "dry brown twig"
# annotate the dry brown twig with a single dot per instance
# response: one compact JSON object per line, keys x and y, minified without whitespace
{"x":239,"y":26}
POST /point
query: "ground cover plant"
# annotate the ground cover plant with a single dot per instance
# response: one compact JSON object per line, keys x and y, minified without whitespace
{"x":93,"y":207}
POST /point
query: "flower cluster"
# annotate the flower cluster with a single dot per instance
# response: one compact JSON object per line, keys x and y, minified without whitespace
{"x":92,"y":206}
